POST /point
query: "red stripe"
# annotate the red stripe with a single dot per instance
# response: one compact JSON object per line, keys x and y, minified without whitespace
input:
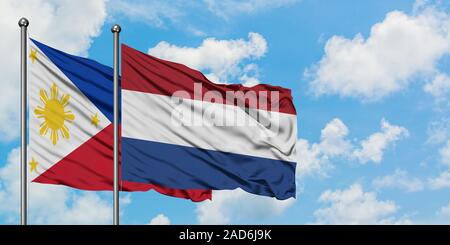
{"x":90,"y":167}
{"x":145,"y":73}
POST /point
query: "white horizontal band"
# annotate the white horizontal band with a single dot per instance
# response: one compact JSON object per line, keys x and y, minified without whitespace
{"x":219,"y":127}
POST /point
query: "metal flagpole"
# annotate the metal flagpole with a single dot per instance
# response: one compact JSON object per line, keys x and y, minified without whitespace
{"x":116,"y":30}
{"x":23,"y":23}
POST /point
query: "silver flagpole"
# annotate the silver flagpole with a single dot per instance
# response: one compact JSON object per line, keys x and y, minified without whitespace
{"x":23,"y":23}
{"x":116,"y":30}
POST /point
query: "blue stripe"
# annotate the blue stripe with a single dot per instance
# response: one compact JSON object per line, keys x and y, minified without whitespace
{"x":93,"y":79}
{"x":184,"y":167}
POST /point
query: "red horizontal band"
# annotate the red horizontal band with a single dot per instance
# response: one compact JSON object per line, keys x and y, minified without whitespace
{"x":145,"y":73}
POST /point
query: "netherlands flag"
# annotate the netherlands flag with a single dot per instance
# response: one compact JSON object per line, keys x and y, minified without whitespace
{"x":70,"y":130}
{"x":182,"y":131}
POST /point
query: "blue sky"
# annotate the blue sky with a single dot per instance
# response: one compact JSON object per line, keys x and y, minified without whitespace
{"x":370,"y":81}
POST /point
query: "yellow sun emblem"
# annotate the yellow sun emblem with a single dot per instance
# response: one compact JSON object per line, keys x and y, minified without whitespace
{"x":54,"y":114}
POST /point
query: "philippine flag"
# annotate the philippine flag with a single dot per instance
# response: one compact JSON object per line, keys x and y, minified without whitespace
{"x":182,"y":131}
{"x":70,"y":130}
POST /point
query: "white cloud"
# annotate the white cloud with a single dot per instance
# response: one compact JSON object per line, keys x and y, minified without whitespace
{"x":310,"y":161}
{"x":372,"y":148}
{"x":444,"y":211}
{"x":439,"y":134}
{"x":250,"y":75}
{"x":249,"y":81}
{"x":397,"y":49}
{"x":154,"y":13}
{"x":67,"y":25}
{"x":228,"y":8}
{"x":399,"y":179}
{"x":160,"y":219}
{"x":354,"y":206}
{"x":441,"y":181}
{"x":439,"y":86}
{"x":219,"y":68}
{"x":445,"y":153}
{"x":49,"y":204}
{"x":439,"y":131}
{"x":233,"y":206}
{"x":86,"y":208}
{"x":333,"y":140}
{"x":313,"y":159}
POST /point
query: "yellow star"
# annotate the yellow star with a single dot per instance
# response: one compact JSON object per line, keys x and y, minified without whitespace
{"x":33,"y":55}
{"x":33,"y":165}
{"x":95,"y":120}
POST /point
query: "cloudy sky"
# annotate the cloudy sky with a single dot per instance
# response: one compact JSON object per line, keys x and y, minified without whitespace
{"x":371,"y":84}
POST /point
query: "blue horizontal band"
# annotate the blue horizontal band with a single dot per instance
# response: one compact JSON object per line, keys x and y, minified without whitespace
{"x":183,"y":167}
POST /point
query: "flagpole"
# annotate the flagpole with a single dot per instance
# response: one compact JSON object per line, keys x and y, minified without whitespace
{"x":116,"y":30}
{"x":23,"y":23}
